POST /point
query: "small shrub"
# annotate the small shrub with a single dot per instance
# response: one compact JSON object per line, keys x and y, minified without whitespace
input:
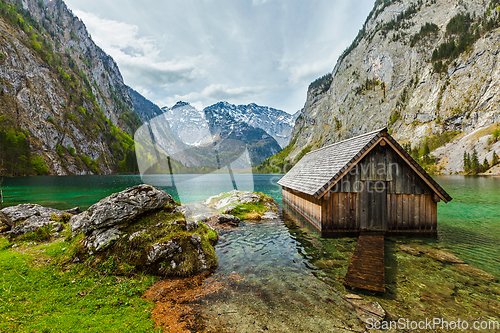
{"x":38,"y":165}
{"x":494,"y":159}
{"x":304,"y":152}
{"x":496,"y":135}
{"x":59,"y":150}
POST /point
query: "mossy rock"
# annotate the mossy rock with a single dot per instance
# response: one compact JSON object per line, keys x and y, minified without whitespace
{"x":245,"y":205}
{"x":160,"y":242}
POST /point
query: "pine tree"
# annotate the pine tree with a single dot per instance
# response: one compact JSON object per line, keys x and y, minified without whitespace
{"x":486,"y":165}
{"x":476,"y":168}
{"x":494,"y":159}
{"x":426,"y":149}
{"x":466,"y":162}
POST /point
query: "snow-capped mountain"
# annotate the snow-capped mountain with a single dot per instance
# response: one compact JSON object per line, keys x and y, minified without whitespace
{"x":276,"y":123}
{"x":222,"y":124}
{"x":188,"y":123}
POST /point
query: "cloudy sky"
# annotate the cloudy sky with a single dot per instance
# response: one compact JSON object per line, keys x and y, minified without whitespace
{"x":240,"y":51}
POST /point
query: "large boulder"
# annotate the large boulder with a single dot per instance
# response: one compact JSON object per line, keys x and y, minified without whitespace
{"x":143,"y":229}
{"x":120,"y":208}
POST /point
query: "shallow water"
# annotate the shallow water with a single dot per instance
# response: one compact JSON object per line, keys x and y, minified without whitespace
{"x":282,"y":276}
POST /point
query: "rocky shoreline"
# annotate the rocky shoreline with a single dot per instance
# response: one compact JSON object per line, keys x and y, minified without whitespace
{"x":142,"y":228}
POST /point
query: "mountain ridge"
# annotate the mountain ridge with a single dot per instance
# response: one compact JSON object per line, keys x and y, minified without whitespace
{"x":276,"y":123}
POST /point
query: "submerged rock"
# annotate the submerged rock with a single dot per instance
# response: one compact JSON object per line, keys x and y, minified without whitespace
{"x":444,"y":256}
{"x":367,"y":311}
{"x":410,"y":250}
{"x":439,"y":255}
{"x":327,"y":264}
{"x":475,"y":272}
{"x":353,"y":296}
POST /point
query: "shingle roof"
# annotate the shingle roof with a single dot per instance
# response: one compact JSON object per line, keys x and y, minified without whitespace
{"x":322,"y":167}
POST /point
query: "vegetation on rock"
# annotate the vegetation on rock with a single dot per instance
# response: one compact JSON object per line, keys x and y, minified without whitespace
{"x":421,"y":152}
{"x":245,"y":205}
{"x":15,"y":155}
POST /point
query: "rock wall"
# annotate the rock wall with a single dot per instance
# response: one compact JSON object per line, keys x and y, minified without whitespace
{"x":388,"y":78}
{"x":61,"y":88}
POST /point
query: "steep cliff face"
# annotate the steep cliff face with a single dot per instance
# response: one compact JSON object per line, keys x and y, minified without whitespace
{"x":428,"y":70}
{"x":62,"y":92}
{"x":144,"y":108}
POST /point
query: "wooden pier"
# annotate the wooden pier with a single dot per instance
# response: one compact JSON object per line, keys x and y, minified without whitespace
{"x":367,"y":268}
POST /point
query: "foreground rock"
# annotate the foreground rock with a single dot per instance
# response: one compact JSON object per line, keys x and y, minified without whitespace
{"x":142,"y":229}
{"x":245,"y":205}
{"x":120,"y":208}
{"x":25,"y":218}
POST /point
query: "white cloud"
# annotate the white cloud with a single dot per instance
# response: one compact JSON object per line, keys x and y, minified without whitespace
{"x":139,"y":57}
{"x":223,"y":92}
{"x":262,"y":51}
{"x":312,"y":69}
{"x":259,"y":2}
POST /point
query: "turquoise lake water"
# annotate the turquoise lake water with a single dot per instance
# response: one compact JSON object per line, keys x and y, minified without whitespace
{"x":469,"y":224}
{"x":281,"y":276}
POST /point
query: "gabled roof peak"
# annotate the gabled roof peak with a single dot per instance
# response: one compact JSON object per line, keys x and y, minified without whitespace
{"x":321,"y":168}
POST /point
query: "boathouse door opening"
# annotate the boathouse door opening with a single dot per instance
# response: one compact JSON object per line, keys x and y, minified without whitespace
{"x":373,"y":205}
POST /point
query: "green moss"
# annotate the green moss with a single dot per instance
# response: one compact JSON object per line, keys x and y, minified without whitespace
{"x":128,"y":256}
{"x":41,"y":235}
{"x":253,"y":210}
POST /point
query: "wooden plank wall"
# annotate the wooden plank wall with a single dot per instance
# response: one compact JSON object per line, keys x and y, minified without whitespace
{"x":384,"y":165}
{"x":340,"y":212}
{"x":411,"y":212}
{"x":409,"y":200}
{"x":306,"y":205}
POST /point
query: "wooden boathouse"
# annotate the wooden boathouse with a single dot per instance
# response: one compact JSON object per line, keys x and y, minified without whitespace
{"x":364,"y":183}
